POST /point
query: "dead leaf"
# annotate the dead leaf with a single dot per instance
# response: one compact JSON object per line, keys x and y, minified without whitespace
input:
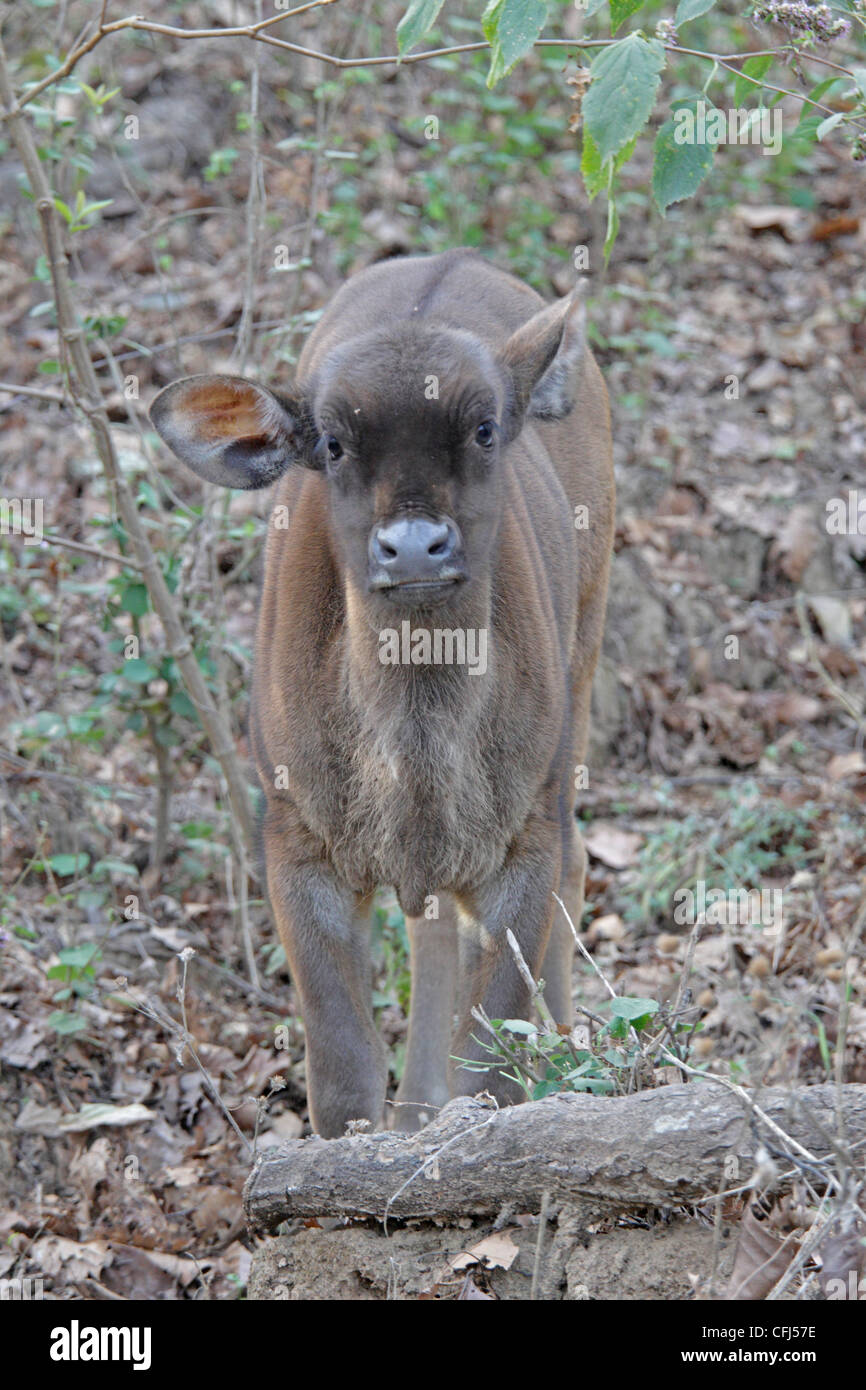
{"x":95,"y":1115}
{"x":764,"y":219}
{"x":90,"y":1168}
{"x":609,"y":927}
{"x":796,"y":542}
{"x":761,"y":1258}
{"x":833,"y":616}
{"x":463,"y":1261}
{"x":768,"y":376}
{"x":51,"y":1121}
{"x":26,"y":1047}
{"x":835,"y":226}
{"x":619,"y":849}
{"x":54,"y":1255}
{"x":496,"y":1251}
{"x":216,"y":1209}
{"x":845,"y":765}
{"x":791,"y":707}
{"x":282,"y":1128}
{"x":184,"y":1174}
{"x":843,"y":1255}
{"x":794,"y":344}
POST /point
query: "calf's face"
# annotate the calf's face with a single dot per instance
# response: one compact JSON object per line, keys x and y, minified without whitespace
{"x":409,"y":435}
{"x":407,"y":424}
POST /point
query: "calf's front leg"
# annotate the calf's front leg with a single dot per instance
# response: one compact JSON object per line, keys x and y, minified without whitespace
{"x":518,"y":898}
{"x":324,"y":928}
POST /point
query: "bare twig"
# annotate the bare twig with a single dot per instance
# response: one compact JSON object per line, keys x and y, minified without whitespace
{"x":258,"y":33}
{"x":57,"y":396}
{"x":115,"y":559}
{"x":532,"y":985}
{"x":255,"y":191}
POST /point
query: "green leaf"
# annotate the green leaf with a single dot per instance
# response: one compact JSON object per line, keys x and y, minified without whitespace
{"x":597,"y":175}
{"x":139,"y":671}
{"x":77,"y":957}
{"x":690,"y":9}
{"x":678,"y":167}
{"x":196,"y":830}
{"x":544,"y":1088}
{"x":620,"y":11}
{"x":416,"y":22}
{"x":625,"y":79}
{"x":120,"y":867}
{"x":626,"y":1006}
{"x":752,"y":67}
{"x":829,"y":124}
{"x":511,"y":28}
{"x":65,"y":864}
{"x":134,"y":600}
{"x":180,"y":703}
{"x":66,"y":1023}
{"x":808,"y":114}
{"x":597,"y":1085}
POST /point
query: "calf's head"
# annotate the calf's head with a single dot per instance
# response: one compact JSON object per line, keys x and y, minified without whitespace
{"x":407,"y":424}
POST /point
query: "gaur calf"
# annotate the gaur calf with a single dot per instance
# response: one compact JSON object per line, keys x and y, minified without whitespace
{"x":432,"y":609}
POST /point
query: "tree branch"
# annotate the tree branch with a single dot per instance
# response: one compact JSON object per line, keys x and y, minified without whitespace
{"x":657,"y":1148}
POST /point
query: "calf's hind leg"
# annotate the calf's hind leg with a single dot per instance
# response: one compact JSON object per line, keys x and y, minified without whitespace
{"x":433,"y":954}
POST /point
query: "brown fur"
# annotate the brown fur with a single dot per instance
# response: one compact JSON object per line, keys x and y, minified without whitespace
{"x":452,"y":787}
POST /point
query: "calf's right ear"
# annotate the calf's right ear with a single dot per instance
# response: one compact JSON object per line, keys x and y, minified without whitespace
{"x":233,"y":431}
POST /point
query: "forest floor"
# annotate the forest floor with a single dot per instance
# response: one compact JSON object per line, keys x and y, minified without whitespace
{"x":729,"y":719}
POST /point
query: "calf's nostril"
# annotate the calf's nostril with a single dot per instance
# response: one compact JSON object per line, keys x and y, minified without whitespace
{"x":413,"y":550}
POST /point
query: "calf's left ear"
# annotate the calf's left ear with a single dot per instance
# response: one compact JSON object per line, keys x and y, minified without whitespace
{"x":545,"y":359}
{"x":233,"y":431}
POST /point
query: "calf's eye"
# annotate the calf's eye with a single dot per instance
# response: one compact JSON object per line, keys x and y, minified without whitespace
{"x":484,"y":434}
{"x":334,"y":447}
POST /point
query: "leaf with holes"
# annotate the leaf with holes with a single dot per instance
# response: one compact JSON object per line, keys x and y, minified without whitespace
{"x":625,"y":79}
{"x":511,"y":28}
{"x":680,"y":164}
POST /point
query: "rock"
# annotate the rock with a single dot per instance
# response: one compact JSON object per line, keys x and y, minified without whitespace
{"x":636,"y":628}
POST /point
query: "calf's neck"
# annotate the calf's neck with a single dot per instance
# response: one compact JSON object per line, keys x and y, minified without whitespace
{"x":431,"y":615}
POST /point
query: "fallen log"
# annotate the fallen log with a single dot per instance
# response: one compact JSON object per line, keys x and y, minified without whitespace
{"x":676,"y":1144}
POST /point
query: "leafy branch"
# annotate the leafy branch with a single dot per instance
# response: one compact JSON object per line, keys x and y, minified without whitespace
{"x":619,"y":87}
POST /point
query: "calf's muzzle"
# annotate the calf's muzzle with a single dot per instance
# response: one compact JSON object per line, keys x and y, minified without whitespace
{"x":414,"y":555}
